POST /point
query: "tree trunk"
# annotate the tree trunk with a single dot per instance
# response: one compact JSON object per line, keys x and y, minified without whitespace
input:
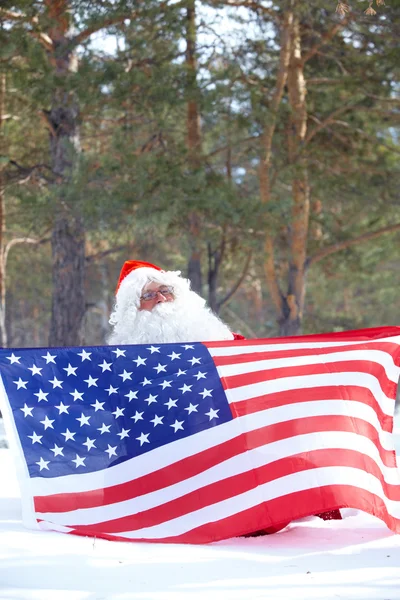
{"x":3,"y":330}
{"x":68,"y":237}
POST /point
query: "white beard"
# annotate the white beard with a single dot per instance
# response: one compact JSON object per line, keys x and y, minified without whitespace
{"x":186,"y":319}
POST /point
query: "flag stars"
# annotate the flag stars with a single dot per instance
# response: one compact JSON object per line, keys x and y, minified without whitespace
{"x":212,"y":414}
{"x":180,"y":372}
{"x":139,"y":361}
{"x":160,"y":368}
{"x":200,"y":375}
{"x":91,"y":381}
{"x":131,"y":396}
{"x":171,"y":403}
{"x":185,"y":388}
{"x":14,"y":359}
{"x":111,"y":390}
{"x":89,"y":444}
{"x":119,"y":412}
{"x":111,"y":451}
{"x":157,"y":420}
{"x":56,"y":383}
{"x":145,"y":382}
{"x":49,"y":358}
{"x":138,"y":416}
{"x":69,"y":435}
{"x":165,"y":384}
{"x":105,"y":366}
{"x":98,"y":406}
{"x":206,"y":393}
{"x":83,"y":420}
{"x":143,"y":438}
{"x":104,"y":428}
{"x":188,"y":347}
{"x":47,"y":422}
{"x":79,"y":461}
{"x":84,"y":355}
{"x":62,"y":408}
{"x":177,"y":425}
{"x":43,"y":464}
{"x":123,"y":433}
{"x":151,"y":399}
{"x":125,"y":375}
{"x":195,"y":361}
{"x":57,"y":450}
{"x":191,"y":408}
{"x":70,"y":370}
{"x":35,"y":370}
{"x":119,"y":353}
{"x":27,"y":410}
{"x":153,"y":349}
{"x":41,"y":395}
{"x":20,"y":384}
{"x":174,"y":356}
{"x":76,"y":395}
{"x":36,"y":439}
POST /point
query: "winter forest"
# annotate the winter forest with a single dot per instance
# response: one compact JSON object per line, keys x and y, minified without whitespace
{"x":252,"y":144}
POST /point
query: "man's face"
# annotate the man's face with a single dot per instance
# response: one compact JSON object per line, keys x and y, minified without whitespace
{"x":155,"y":293}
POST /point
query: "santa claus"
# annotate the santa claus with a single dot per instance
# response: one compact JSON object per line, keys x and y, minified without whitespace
{"x":156,"y":306}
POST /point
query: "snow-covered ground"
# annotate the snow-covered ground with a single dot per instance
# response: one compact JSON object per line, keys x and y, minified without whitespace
{"x":357,"y":558}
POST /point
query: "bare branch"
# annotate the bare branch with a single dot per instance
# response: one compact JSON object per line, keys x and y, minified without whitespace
{"x":239,"y":282}
{"x":326,"y":38}
{"x":328,"y":120}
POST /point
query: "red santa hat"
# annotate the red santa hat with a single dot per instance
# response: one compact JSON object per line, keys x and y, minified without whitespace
{"x":130,"y":266}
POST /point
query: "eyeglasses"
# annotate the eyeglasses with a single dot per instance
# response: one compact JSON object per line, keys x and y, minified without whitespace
{"x":168,"y":290}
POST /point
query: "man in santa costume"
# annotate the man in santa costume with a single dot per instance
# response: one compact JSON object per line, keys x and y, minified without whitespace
{"x":153,"y":306}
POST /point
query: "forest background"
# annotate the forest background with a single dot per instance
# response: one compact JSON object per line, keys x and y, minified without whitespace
{"x":252,"y":144}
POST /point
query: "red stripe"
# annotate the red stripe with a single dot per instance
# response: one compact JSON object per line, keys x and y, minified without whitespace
{"x":193,"y":465}
{"x":348,"y":393}
{"x":356,"y":366}
{"x":389,"y":348}
{"x":239,"y":484}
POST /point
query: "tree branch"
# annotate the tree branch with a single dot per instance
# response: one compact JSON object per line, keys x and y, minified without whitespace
{"x":352,"y":242}
{"x":239,"y":282}
{"x":326,"y":38}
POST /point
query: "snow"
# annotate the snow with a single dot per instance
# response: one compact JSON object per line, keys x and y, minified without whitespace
{"x":357,"y":558}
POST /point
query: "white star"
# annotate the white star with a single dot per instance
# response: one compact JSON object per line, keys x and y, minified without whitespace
{"x":104,"y":428}
{"x":188,"y":347}
{"x":27,"y":410}
{"x":14,"y":359}
{"x":177,"y":425}
{"x":153,"y":349}
{"x":186,"y":388}
{"x":157,"y":420}
{"x":89,"y":443}
{"x":111,"y":450}
{"x":41,"y":395}
{"x":69,"y":435}
{"x":20,"y":384}
{"x":180,"y":372}
{"x":131,"y":396}
{"x":111,"y":390}
{"x":84,"y":355}
{"x":77,"y":395}
{"x":91,"y":382}
{"x":171,"y":403}
{"x":174,"y":355}
{"x":124,"y":433}
{"x":70,"y":370}
{"x":191,"y":408}
{"x":139,"y":361}
{"x":56,"y":383}
{"x":35,"y":438}
{"x":125,"y":375}
{"x":165,"y":384}
{"x":138,"y":417}
{"x":62,"y":408}
{"x":200,"y":375}
{"x":195,"y":361}
{"x":83,"y":420}
{"x":119,"y":353}
{"x":151,"y":399}
{"x":145,"y":382}
{"x":48,"y":422}
{"x":98,"y":406}
{"x":119,"y":412}
{"x":143,"y":438}
{"x":42,"y":463}
{"x":49,"y":358}
{"x":35,"y":370}
{"x":213,"y":414}
{"x":79,"y":462}
{"x":160,"y":368}
{"x":58,"y":450}
{"x":206,"y":393}
{"x":105,"y":366}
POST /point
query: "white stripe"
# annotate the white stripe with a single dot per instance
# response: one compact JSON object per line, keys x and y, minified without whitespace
{"x":256,"y":458}
{"x":159,"y":458}
{"x":290,"y":484}
{"x":53,"y":527}
{"x":304,"y":382}
{"x":382,"y":358}
{"x":242,"y":348}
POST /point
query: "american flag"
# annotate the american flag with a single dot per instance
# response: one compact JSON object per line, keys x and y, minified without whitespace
{"x":200,"y":442}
